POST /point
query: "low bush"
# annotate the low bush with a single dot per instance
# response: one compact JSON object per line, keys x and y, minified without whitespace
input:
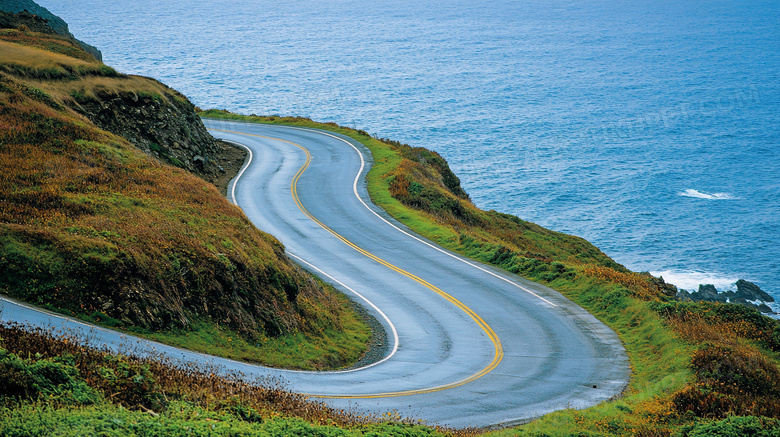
{"x":49,"y":379}
{"x":68,"y":388}
{"x":749,"y":426}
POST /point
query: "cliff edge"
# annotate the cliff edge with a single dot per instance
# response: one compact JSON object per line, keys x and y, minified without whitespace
{"x":57,"y":24}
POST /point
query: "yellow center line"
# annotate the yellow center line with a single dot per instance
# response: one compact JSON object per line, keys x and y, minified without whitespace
{"x":499,"y":350}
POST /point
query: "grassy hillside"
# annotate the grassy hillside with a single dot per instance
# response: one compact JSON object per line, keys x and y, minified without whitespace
{"x":92,"y":226}
{"x":697,"y":368}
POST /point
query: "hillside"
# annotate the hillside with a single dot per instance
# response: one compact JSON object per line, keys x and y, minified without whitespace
{"x":114,"y":228}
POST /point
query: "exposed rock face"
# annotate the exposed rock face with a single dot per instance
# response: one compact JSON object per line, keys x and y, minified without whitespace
{"x":750,"y":291}
{"x":56,"y":23}
{"x":162,"y":126}
{"x":747,"y":293}
{"x":706,"y":292}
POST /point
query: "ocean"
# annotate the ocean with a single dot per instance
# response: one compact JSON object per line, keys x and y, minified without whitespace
{"x":649,"y":128}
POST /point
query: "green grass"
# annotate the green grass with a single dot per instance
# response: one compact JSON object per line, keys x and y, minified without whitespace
{"x":180,"y":418}
{"x":331,"y":350}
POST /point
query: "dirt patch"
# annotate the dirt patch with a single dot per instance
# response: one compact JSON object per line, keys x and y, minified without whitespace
{"x":230,"y":159}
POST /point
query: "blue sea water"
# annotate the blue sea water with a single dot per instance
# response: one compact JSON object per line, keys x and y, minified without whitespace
{"x":649,"y":128}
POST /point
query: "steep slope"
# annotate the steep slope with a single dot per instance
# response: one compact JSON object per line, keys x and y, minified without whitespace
{"x":92,"y":225}
{"x":27,"y":11}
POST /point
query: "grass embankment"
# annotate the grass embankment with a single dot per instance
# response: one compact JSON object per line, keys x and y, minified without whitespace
{"x":55,"y":386}
{"x":693,"y":364}
{"x":90,"y":226}
{"x":65,"y":72}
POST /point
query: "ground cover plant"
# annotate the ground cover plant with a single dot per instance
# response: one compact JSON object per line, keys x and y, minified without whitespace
{"x":55,"y":385}
{"x":697,"y":368}
{"x":93,"y":227}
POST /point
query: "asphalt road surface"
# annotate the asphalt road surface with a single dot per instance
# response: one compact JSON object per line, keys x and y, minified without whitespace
{"x":470,"y":345}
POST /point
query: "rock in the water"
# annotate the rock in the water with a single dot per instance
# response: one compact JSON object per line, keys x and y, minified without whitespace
{"x":747,"y":293}
{"x":751,"y":291}
{"x":706,"y":292}
{"x":683,"y":296}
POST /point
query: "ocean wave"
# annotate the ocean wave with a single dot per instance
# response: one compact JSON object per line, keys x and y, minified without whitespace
{"x":690,"y":192}
{"x":775,"y":309}
{"x":690,"y":280}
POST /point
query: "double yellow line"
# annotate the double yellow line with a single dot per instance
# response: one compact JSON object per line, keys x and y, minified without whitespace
{"x":499,"y":350}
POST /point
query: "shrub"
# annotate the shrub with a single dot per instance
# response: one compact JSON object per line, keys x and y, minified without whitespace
{"x":44,"y":378}
{"x":736,"y":426}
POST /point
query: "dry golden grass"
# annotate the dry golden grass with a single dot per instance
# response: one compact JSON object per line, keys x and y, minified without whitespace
{"x":48,"y":42}
{"x":32,"y":57}
{"x":638,"y":285}
{"x":98,"y":87}
{"x":733,"y":375}
{"x":67,"y":79}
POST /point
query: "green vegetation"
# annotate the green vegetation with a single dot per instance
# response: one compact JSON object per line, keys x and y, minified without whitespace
{"x":66,"y":389}
{"x":693,"y":364}
{"x":92,"y":227}
{"x":334,"y":349}
{"x":734,"y":426}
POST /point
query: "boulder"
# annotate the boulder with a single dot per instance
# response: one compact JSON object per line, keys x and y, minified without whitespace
{"x":706,"y":292}
{"x":751,"y":291}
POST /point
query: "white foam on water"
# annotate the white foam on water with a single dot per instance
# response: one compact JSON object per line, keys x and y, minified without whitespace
{"x":690,"y":279}
{"x":690,"y":192}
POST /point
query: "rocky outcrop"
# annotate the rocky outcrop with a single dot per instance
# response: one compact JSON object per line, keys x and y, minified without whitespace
{"x":662,"y":286}
{"x":750,"y":291}
{"x":164,"y":126}
{"x":747,"y":293}
{"x":25,"y":8}
{"x":33,"y":22}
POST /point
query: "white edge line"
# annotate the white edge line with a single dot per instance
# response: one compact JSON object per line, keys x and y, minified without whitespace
{"x":234,"y":182}
{"x":355,"y":191}
{"x":392,"y":326}
{"x":241,"y":172}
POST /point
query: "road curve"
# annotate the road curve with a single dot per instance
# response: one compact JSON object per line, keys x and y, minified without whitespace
{"x":471,"y":345}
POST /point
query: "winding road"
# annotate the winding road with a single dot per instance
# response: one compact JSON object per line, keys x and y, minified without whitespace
{"x":470,"y":345}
